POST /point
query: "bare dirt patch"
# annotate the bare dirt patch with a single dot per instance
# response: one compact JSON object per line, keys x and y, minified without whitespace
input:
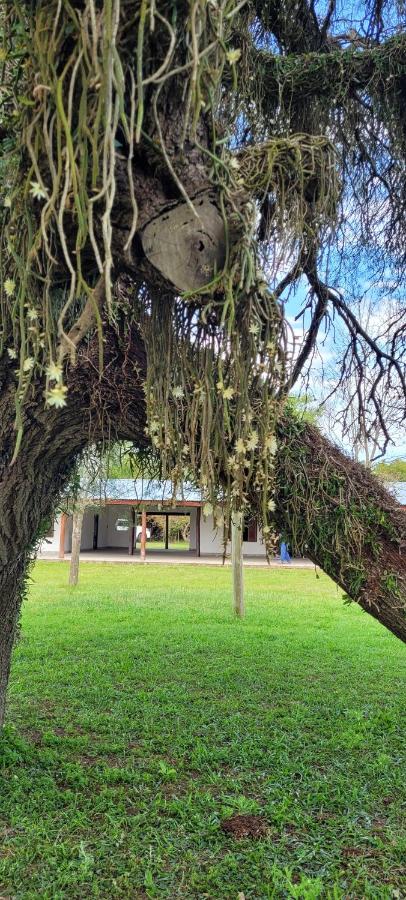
{"x":245,"y":826}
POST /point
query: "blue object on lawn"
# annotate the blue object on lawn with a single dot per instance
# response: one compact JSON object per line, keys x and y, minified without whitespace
{"x":285,"y":555}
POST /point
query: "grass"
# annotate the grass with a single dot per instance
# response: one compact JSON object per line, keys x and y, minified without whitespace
{"x":142,"y":714}
{"x":160,"y":545}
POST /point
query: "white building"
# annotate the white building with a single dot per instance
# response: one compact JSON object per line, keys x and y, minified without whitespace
{"x":114,"y":513}
{"x":115,"y":510}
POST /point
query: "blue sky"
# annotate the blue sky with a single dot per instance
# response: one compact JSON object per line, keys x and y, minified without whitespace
{"x":365,"y":276}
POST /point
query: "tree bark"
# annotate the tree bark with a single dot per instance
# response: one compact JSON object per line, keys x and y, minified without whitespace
{"x":28,"y":495}
{"x":11,"y":588}
{"x":77,"y":524}
{"x":335,"y":511}
{"x":108,"y":406}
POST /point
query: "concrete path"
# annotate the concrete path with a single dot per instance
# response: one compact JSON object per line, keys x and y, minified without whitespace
{"x":174,"y":557}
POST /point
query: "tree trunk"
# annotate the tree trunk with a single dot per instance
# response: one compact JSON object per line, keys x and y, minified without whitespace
{"x":12,"y":578}
{"x":52,"y":442}
{"x":77,"y":524}
{"x":237,"y":564}
{"x":338,"y":513}
{"x":28,"y":495}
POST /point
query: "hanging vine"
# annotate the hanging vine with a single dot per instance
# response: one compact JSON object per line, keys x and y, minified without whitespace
{"x":83,"y":89}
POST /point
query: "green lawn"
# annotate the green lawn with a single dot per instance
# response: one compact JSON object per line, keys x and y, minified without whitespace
{"x":160,"y":545}
{"x":142,"y":714}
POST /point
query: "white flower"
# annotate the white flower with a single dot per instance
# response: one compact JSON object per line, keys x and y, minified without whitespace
{"x":271,"y":505}
{"x":56,"y":396}
{"x":252,"y":441}
{"x":239,"y":446}
{"x":254,"y":328}
{"x":32,"y":314}
{"x":270,"y":444}
{"x":37,"y":191}
{"x":228,"y":393}
{"x":9,"y":287}
{"x":54,"y":371}
{"x":28,"y":364}
{"x":233,"y":56}
{"x":12,"y":353}
{"x":178,"y":392}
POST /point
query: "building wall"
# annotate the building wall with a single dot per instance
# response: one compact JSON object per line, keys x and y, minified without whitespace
{"x":51,"y":544}
{"x":211,"y":539}
{"x":108,"y":534}
{"x":103,"y":536}
{"x":117,"y":538}
{"x":87,"y":530}
{"x":251,"y":548}
{"x":254,"y":548}
{"x":193,"y":529}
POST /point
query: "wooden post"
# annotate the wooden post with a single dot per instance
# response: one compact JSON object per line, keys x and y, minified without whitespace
{"x":76,"y":541}
{"x":198,"y":519}
{"x":143,"y":533}
{"x":166,"y":531}
{"x":132,"y":533}
{"x":237,"y":563}
{"x":62,"y":535}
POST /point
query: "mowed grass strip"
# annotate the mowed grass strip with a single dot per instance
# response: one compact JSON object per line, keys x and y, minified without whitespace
{"x":142,"y":715}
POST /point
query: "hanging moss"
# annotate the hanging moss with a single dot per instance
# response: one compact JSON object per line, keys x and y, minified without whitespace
{"x":330,"y":76}
{"x":216,"y":357}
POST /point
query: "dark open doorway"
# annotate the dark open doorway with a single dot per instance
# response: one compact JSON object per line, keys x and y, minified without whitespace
{"x":169,"y":531}
{"x":95,"y":531}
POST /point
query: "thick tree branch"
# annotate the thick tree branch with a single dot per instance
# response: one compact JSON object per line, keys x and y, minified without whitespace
{"x":335,"y":511}
{"x":333,"y":75}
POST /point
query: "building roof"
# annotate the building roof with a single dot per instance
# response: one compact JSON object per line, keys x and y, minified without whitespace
{"x":398,"y":489}
{"x":122,"y":489}
{"x":142,"y":489}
